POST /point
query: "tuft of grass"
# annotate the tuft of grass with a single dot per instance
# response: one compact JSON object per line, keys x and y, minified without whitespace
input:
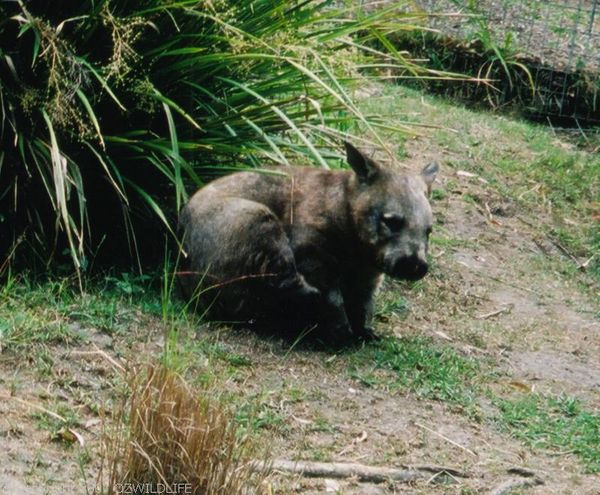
{"x":166,"y":433}
{"x":418,"y":364}
{"x":555,"y":423}
{"x":391,"y":303}
{"x":231,"y":358}
{"x":57,"y":420}
{"x":33,"y":314}
{"x":258,"y":413}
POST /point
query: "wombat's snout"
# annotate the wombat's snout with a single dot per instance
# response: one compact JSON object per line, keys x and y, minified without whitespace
{"x":409,"y":268}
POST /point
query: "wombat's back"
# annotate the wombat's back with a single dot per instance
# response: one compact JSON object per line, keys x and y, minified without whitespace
{"x":306,"y":190}
{"x":261,"y":187}
{"x":237,"y":256}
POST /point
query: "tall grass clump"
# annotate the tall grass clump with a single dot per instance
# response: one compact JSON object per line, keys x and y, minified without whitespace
{"x":167,"y":439}
{"x":111,"y":111}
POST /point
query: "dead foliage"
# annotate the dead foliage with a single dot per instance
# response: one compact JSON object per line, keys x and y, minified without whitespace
{"x":168,"y":436}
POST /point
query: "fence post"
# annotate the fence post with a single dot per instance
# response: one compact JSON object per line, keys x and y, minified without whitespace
{"x":592,"y":16}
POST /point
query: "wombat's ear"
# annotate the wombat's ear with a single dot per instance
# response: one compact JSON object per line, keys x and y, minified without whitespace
{"x":429,"y":174}
{"x":365,"y":168}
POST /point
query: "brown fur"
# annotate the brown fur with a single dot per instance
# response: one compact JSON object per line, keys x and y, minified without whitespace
{"x":306,"y":245}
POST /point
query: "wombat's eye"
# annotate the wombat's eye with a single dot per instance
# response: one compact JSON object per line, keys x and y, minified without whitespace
{"x":393,"y":222}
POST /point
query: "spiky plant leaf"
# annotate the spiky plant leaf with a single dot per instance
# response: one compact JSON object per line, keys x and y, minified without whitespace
{"x":112,"y":112}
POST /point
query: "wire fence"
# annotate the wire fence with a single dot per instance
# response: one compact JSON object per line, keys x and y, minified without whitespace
{"x":559,"y":40}
{"x":561,"y":33}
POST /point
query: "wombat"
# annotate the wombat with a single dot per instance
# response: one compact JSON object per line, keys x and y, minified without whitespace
{"x":303,"y":246}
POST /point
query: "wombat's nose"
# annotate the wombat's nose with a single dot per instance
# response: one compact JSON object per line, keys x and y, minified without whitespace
{"x":410,"y":268}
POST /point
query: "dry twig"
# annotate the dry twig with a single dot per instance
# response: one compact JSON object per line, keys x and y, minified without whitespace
{"x":35,"y":406}
{"x":462,"y":447}
{"x":504,"y":309}
{"x":510,"y":485}
{"x":373,"y":474}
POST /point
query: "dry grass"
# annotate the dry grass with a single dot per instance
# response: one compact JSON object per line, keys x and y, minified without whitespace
{"x":167,"y":435}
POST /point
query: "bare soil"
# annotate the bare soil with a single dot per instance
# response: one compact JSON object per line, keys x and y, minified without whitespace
{"x":496,"y":294}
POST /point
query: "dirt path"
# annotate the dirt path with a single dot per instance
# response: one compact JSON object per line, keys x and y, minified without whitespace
{"x":494,"y":297}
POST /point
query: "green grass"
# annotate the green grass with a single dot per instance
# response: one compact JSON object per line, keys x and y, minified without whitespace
{"x":54,"y":311}
{"x":554,"y":424}
{"x":391,"y":304}
{"x":429,"y":370}
{"x":34,"y":315}
{"x":443,"y":238}
{"x":256,"y":412}
{"x":64,"y":417}
{"x":217,"y":351}
{"x":435,"y":372}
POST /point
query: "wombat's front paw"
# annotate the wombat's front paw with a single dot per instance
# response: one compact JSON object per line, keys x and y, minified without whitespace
{"x":344,"y":335}
{"x":336,"y":336}
{"x":367,"y":334}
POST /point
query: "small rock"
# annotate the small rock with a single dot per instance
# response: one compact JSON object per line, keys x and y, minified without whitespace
{"x":331,"y":486}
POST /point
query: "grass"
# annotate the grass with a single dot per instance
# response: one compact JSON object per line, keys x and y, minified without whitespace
{"x":257,"y":412}
{"x":435,"y":372}
{"x":33,"y":315}
{"x":62,"y":418}
{"x":429,"y":370}
{"x":555,"y":424}
{"x":54,"y":311}
{"x":391,"y":304}
{"x":37,"y":314}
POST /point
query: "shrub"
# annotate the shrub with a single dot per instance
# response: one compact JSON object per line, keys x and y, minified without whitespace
{"x":110,"y":110}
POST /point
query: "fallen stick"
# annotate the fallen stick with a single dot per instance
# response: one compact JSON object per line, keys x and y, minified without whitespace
{"x":35,"y":406}
{"x":510,"y":485}
{"x":373,"y":474}
{"x":456,"y":444}
{"x":565,"y":251}
{"x":521,"y":471}
{"x":504,"y":309}
{"x":101,"y":353}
